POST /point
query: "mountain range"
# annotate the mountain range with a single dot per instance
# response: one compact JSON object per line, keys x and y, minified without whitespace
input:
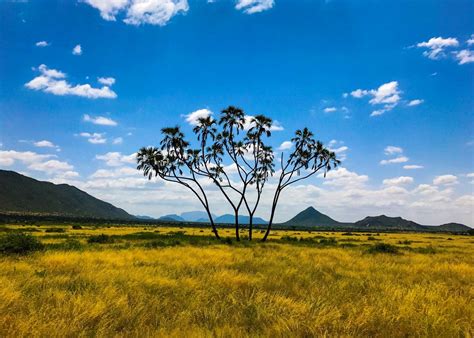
{"x":200,"y":216}
{"x":311,"y":218}
{"x":23,"y":195}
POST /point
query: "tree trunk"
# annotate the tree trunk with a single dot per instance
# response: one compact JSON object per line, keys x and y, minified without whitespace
{"x":270,"y":222}
{"x":250,"y":226}
{"x":214,"y":229}
{"x":237,"y":235}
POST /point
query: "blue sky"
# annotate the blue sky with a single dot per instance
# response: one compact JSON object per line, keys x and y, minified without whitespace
{"x":384,"y":81}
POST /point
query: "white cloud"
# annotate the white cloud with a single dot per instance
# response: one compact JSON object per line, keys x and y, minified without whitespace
{"x":344,"y":177}
{"x":276,"y":126}
{"x":9,"y":157}
{"x":464,"y":56}
{"x":51,"y":166}
{"x":412,"y":166}
{"x":400,"y":159}
{"x":94,"y":138}
{"x":387,"y":95}
{"x":108,"y":8}
{"x":117,"y":140}
{"x":470,"y":41}
{"x":100,"y":120}
{"x":108,"y":81}
{"x":437,"y":46}
{"x":254,"y":6}
{"x":330,"y":109}
{"x":415,"y":102}
{"x":193,"y":117}
{"x":77,"y":50}
{"x":116,"y":159}
{"x":390,"y":150}
{"x":398,"y":180}
{"x":52,"y":81}
{"x":44,"y":144}
{"x":154,"y":12}
{"x":139,"y":12}
{"x":445,"y":180}
{"x":42,"y":44}
{"x":338,"y":148}
{"x":286,"y":145}
{"x":114,"y":173}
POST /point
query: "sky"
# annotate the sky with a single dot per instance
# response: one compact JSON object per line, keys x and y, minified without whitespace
{"x":387,"y":85}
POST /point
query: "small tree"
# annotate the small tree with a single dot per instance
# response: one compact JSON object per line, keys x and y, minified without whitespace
{"x":239,"y":140}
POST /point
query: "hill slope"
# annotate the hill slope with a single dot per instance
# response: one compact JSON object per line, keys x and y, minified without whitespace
{"x":22,"y":194}
{"x":230,"y":219}
{"x":382,"y":221}
{"x":311,"y":217}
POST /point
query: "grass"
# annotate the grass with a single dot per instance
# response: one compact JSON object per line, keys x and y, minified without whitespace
{"x":140,"y":282}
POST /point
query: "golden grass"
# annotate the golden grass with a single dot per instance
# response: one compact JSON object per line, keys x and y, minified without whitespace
{"x":272,"y":289}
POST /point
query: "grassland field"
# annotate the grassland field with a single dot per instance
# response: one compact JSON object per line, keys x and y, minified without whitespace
{"x":169,"y":281}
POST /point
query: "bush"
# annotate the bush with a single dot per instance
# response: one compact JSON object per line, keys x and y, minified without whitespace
{"x":328,"y":241}
{"x":55,"y":230}
{"x":405,"y":242}
{"x":371,"y":238}
{"x":72,"y":244}
{"x":383,"y":248}
{"x":19,"y":243}
{"x":100,"y":239}
{"x":76,"y":227}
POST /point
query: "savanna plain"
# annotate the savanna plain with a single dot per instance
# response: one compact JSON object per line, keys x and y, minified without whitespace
{"x":170,"y":281}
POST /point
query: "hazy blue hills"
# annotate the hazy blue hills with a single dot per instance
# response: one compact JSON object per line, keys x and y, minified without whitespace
{"x":230,"y":219}
{"x":25,"y":195}
{"x":200,"y":216}
{"x":172,"y":218}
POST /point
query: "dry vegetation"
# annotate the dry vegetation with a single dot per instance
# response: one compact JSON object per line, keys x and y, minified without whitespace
{"x":139,"y":282}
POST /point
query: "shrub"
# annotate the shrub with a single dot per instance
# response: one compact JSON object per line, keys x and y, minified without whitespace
{"x":289,"y":239}
{"x":328,"y":241}
{"x":383,"y":248}
{"x":72,"y":244}
{"x":19,"y":243}
{"x":76,"y":227}
{"x":405,"y":242}
{"x":55,"y":230}
{"x":100,"y":239}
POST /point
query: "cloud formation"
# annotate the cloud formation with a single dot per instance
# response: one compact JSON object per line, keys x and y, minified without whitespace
{"x":77,"y":50}
{"x":100,"y":120}
{"x":437,"y":46}
{"x":94,"y":138}
{"x":53,"y":81}
{"x":254,"y":6}
{"x":140,"y":12}
{"x":388,"y":95}
{"x":42,"y":44}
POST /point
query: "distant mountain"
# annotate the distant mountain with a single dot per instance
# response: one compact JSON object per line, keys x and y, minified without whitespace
{"x":311,"y":217}
{"x":195,"y":216}
{"x":144,"y":217}
{"x":172,"y":217}
{"x":22,"y":194}
{"x":228,"y":218}
{"x":455,"y":227}
{"x":382,"y":221}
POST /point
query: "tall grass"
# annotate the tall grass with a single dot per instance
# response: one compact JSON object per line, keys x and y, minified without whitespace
{"x":273,"y":289}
